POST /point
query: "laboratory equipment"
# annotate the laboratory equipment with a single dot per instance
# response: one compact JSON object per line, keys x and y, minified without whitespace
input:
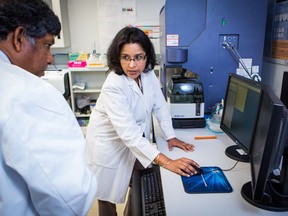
{"x":194,"y":35}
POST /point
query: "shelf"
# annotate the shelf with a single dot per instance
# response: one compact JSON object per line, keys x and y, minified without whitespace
{"x":79,"y":115}
{"x":87,"y":91}
{"x":96,"y":69}
{"x":93,"y":78}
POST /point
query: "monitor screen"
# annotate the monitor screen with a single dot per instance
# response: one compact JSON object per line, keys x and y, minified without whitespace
{"x":239,"y":114}
{"x":266,"y":190}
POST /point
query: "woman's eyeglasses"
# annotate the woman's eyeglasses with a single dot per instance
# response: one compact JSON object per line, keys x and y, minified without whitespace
{"x":138,"y":58}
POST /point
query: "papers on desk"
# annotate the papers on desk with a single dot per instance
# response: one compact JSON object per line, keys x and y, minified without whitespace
{"x":212,"y":180}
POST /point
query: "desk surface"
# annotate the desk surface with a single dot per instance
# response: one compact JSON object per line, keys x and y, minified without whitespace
{"x":208,"y":153}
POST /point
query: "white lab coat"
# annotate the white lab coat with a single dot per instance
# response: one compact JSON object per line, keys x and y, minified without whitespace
{"x":42,"y":160}
{"x":114,"y":134}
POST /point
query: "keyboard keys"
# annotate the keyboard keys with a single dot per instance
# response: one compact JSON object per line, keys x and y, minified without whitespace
{"x":152,"y":194}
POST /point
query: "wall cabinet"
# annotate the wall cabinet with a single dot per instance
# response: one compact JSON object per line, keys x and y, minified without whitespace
{"x":60,"y":8}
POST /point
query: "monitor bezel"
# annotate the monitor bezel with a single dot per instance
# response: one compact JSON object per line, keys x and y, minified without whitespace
{"x":261,"y":191}
{"x":239,"y":144}
{"x":270,"y":147}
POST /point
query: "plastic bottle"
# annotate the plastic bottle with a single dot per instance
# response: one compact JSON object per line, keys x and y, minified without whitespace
{"x":93,"y":61}
{"x":103,"y":59}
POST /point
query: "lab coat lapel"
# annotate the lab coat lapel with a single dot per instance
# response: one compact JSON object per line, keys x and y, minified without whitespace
{"x":143,"y":97}
{"x":145,"y":88}
{"x":135,"y":87}
{"x":147,"y":101}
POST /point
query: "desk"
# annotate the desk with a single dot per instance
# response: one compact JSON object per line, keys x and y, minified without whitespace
{"x":207,"y":153}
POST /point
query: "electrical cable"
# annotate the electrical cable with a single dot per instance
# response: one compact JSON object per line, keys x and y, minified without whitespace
{"x":273,"y":189}
{"x":207,"y":125}
{"x":229,"y":169}
{"x":237,"y":56}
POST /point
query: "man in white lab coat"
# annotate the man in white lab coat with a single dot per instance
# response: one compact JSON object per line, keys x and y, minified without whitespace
{"x":42,"y":162}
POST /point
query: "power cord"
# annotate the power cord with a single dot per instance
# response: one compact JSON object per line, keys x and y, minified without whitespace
{"x":270,"y":179}
{"x":236,"y":55}
{"x":229,"y":169}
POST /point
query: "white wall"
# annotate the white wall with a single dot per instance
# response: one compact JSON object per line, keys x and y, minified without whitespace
{"x":84,"y":24}
{"x":149,"y":10}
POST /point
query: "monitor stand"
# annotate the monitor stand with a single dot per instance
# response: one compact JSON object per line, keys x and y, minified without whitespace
{"x":270,"y":202}
{"x":232,"y":153}
{"x":275,"y":197}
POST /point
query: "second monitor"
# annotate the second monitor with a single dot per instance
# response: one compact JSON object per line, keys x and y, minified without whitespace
{"x":239,"y":114}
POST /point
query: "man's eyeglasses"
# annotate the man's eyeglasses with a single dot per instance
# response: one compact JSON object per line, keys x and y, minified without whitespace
{"x":138,"y":58}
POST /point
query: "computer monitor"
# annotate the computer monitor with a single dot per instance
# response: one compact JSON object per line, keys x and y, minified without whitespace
{"x":284,"y":89}
{"x":269,"y":153}
{"x":239,"y":114}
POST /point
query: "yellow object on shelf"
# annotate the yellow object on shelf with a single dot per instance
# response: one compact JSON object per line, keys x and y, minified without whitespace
{"x":78,"y":56}
{"x":94,"y":61}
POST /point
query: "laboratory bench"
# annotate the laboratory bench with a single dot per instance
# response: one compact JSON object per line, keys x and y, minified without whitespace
{"x":208,"y":152}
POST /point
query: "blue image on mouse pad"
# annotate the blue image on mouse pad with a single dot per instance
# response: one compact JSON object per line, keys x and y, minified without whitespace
{"x":212,"y":180}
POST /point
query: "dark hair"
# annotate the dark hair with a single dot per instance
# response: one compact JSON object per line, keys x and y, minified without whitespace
{"x":125,"y":36}
{"x":33,"y":15}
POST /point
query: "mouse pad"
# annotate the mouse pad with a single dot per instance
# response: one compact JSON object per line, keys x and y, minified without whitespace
{"x":212,"y":180}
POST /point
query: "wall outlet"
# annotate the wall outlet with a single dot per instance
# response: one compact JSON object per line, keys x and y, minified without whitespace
{"x":228,"y":38}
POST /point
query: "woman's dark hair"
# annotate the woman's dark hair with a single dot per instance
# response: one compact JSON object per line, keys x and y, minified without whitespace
{"x":33,"y":15}
{"x":125,"y":36}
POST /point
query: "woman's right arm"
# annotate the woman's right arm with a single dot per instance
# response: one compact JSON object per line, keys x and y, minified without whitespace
{"x":182,"y":166}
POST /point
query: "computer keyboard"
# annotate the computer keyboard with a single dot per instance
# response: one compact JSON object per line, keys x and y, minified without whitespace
{"x":152,"y":194}
{"x":149,"y":192}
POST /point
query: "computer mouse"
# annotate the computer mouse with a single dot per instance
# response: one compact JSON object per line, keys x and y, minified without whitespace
{"x":198,"y":169}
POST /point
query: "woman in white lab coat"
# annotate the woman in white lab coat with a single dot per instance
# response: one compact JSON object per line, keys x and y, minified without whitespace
{"x":119,"y":127}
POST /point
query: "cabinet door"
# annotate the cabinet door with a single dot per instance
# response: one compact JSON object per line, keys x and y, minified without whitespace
{"x":61,"y":10}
